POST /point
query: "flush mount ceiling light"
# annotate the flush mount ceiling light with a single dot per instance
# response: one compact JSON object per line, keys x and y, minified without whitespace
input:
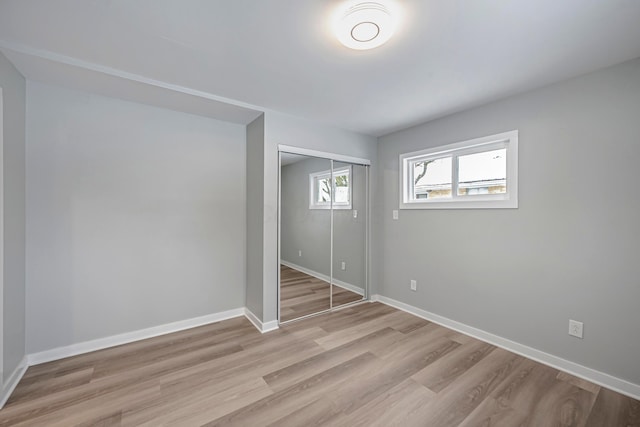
{"x":365,"y":24}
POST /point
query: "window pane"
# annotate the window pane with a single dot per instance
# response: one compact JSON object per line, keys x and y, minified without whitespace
{"x":342,"y":189}
{"x":432,"y":179}
{"x":324,"y":190}
{"x":483,"y":173}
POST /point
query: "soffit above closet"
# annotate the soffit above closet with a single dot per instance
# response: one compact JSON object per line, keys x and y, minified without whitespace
{"x":246,"y":56}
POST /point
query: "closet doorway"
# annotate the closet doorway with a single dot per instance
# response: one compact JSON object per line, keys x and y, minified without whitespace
{"x":323,"y":232}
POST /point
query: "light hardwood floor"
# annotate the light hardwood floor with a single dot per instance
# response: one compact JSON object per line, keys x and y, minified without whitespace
{"x":366,"y":365}
{"x":301,"y":294}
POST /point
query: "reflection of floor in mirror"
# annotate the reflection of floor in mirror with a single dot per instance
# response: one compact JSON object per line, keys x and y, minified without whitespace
{"x":301,"y":294}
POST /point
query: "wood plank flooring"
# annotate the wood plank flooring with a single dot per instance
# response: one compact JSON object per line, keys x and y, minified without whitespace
{"x":301,"y":294}
{"x":366,"y":365}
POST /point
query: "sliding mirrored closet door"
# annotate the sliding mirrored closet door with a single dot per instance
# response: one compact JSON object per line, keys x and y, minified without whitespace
{"x":305,"y":236}
{"x":349,"y":272}
{"x":323,"y":234}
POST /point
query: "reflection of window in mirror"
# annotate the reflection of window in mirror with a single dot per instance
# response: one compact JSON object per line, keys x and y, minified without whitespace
{"x":321,"y":190}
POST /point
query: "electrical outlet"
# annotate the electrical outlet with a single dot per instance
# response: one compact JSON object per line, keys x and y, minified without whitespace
{"x":300,"y":252}
{"x":575,"y":328}
{"x":343,"y":266}
{"x":414,"y":285}
{"x":355,"y":213}
{"x":395,"y":214}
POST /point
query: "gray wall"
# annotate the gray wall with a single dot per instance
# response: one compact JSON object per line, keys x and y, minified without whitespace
{"x":255,"y":214}
{"x":135,"y":216}
{"x":569,"y":251}
{"x":309,"y":230}
{"x":13,"y":202}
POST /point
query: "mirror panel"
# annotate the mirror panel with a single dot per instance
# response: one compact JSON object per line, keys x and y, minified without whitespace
{"x":305,"y":236}
{"x":349,"y":233}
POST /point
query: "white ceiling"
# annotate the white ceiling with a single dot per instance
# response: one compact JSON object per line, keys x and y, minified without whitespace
{"x":252,"y":55}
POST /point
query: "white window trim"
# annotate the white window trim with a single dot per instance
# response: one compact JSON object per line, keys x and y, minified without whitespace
{"x":313,"y":204}
{"x":508,"y":140}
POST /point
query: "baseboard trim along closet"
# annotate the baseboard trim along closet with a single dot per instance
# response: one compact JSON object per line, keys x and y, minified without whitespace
{"x":13,"y":381}
{"x":112,"y":341}
{"x":605,"y":380}
{"x":336,"y":282}
{"x":262,"y":327}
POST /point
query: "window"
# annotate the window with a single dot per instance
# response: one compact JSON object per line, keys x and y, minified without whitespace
{"x":320,"y":189}
{"x":481,"y":173}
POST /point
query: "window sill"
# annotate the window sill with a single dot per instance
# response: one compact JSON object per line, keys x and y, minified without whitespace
{"x":464,"y":204}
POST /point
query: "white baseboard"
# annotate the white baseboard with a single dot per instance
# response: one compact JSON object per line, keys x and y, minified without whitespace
{"x":13,"y":381}
{"x":605,"y":380}
{"x":102,"y":343}
{"x":340,"y":283}
{"x":262,"y":327}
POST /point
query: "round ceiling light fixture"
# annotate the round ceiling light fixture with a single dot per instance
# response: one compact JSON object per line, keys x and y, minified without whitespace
{"x":365,"y":24}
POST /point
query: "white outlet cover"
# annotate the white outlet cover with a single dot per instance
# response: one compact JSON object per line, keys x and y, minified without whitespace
{"x":395,"y":214}
{"x":575,"y":328}
{"x":355,"y":213}
{"x":414,"y":285}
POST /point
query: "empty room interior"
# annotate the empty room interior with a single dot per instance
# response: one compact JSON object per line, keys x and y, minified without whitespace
{"x":319,"y":212}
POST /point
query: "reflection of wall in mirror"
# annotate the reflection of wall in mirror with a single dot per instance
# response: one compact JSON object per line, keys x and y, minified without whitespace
{"x":308,"y":230}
